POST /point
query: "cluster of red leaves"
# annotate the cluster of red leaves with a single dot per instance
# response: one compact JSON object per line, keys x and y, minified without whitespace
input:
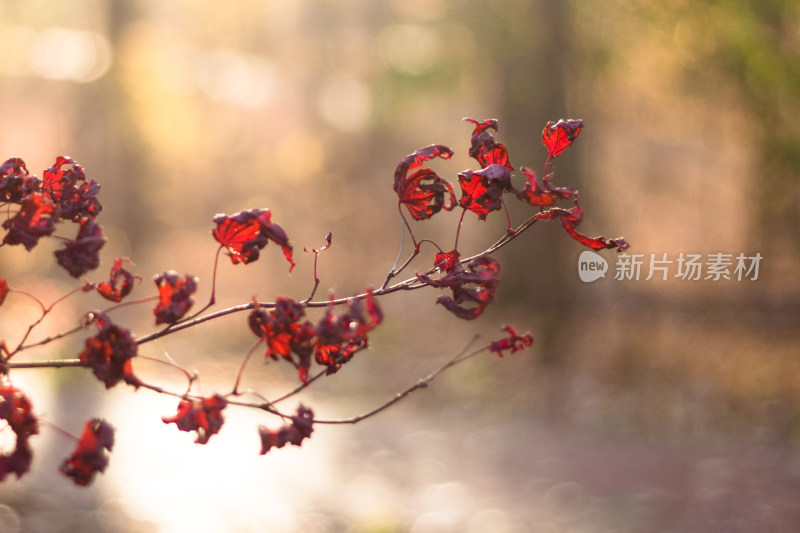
{"x":174,"y":296}
{"x":482,"y":192}
{"x":66,"y":185}
{"x":293,"y":433}
{"x":17,"y":410}
{"x":91,"y":453}
{"x":109,"y":353}
{"x":285,"y":335}
{"x":244,"y":234}
{"x":203,"y":415}
{"x":332,"y":341}
{"x":472,"y":287}
{"x":64,"y":194}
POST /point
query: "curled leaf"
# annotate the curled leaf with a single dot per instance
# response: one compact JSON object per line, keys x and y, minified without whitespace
{"x":33,"y":221}
{"x":472,"y":288}
{"x":244,"y":234}
{"x":570,"y":218}
{"x":484,"y":148}
{"x":293,"y":433}
{"x":542,"y":194}
{"x":16,"y":409}
{"x":175,"y":296}
{"x":15,"y":182}
{"x":423,"y":191}
{"x":339,"y":337}
{"x":109,"y":353}
{"x":66,"y":185}
{"x":203,"y":415}
{"x":511,"y":343}
{"x":82,"y":254}
{"x":120,"y":282}
{"x":91,"y":454}
{"x":285,"y":335}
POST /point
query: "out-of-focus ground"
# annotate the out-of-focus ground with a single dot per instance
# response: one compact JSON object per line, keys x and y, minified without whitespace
{"x":644,"y":405}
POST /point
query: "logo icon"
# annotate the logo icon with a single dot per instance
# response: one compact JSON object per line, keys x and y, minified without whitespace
{"x":591,"y":266}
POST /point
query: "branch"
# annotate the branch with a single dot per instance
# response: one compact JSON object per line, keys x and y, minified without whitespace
{"x":420,"y":384}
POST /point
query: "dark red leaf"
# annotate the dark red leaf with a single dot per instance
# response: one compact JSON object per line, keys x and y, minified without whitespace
{"x":33,"y":221}
{"x":17,"y":410}
{"x":482,"y":191}
{"x":423,"y":191}
{"x":15,"y":182}
{"x":543,"y":195}
{"x":340,"y":337}
{"x":82,"y":254}
{"x":109,"y":353}
{"x":447,"y":261}
{"x":473,"y":288}
{"x":202,"y":415}
{"x":247,"y":232}
{"x":512,"y":343}
{"x":484,"y":148}
{"x":300,"y":428}
{"x":557,"y":136}
{"x":284,"y":335}
{"x":120,"y":282}
{"x":91,"y":454}
{"x":570,"y":218}
{"x":66,"y":185}
{"x":175,"y":296}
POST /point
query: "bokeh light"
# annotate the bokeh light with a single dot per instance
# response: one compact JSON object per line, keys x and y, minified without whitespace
{"x":643,"y":405}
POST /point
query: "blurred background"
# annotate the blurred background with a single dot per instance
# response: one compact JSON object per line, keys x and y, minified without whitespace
{"x":643,"y":406}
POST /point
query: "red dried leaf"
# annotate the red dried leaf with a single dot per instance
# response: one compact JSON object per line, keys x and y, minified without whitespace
{"x":447,"y":261}
{"x":482,"y":191}
{"x":120,"y":282}
{"x":484,"y":148}
{"x":473,"y":288}
{"x":174,"y":293}
{"x":557,"y":136}
{"x":66,"y":185}
{"x":3,"y":290}
{"x":300,"y":428}
{"x":91,"y":454}
{"x":17,"y":410}
{"x":15,"y":182}
{"x":340,"y":337}
{"x":544,"y":194}
{"x":33,"y":221}
{"x":202,"y":415}
{"x":82,"y":254}
{"x":423,"y":191}
{"x":109,"y":353}
{"x":284,"y":335}
{"x":512,"y":343}
{"x":247,"y":232}
{"x":570,"y":218}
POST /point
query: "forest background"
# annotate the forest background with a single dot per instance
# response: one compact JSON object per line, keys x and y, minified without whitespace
{"x":658,"y":405}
